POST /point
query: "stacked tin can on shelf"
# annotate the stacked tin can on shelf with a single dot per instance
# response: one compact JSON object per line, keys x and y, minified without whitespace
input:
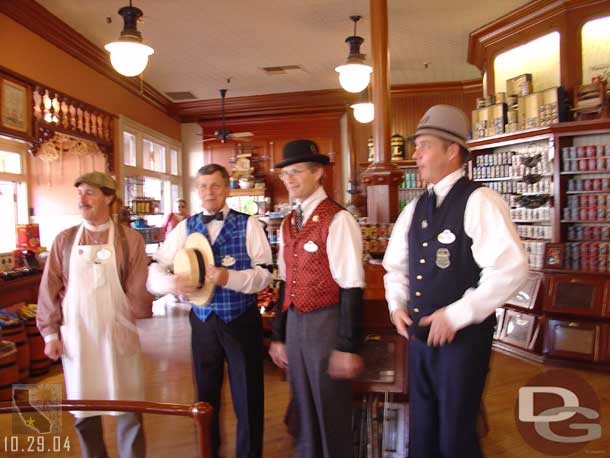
{"x":535,"y":254}
{"x":587,"y":256}
{"x":587,"y":207}
{"x":589,"y":158}
{"x":411,"y":187}
{"x":523,"y":174}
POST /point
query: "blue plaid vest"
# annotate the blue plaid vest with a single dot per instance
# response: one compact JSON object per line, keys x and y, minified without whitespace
{"x":231,"y":241}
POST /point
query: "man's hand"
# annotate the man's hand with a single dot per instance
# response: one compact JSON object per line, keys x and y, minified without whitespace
{"x":54,"y":349}
{"x":402,"y":321}
{"x":183,"y":286}
{"x":441,"y":331}
{"x":277,"y":351}
{"x":343,"y":365}
{"x":217,"y":275}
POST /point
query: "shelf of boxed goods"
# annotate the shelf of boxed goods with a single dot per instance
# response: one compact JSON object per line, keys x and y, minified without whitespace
{"x":577,"y":311}
{"x":567,"y":320}
{"x":521,"y":169}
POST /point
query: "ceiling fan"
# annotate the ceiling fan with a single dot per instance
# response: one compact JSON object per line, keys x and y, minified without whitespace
{"x":223,"y":134}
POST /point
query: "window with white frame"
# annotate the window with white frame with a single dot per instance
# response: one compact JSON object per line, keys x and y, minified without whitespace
{"x":129,"y":149}
{"x":13,"y":191}
{"x":153,"y":156}
{"x":151,"y":167}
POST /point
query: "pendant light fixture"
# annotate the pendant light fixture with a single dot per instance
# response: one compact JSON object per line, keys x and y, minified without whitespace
{"x":355,"y":75}
{"x":364,"y":110}
{"x":128,"y":55}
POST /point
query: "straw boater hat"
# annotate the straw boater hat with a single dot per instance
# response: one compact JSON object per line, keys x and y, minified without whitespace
{"x":193,"y":261}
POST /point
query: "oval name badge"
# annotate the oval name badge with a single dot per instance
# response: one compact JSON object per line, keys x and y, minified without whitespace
{"x":228,"y":261}
{"x":310,"y":247}
{"x":446,"y":237}
{"x":103,"y":254}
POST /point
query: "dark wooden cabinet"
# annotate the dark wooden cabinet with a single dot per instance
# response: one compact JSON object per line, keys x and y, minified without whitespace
{"x":385,"y":361}
{"x":604,"y":346}
{"x":578,"y":339}
{"x":577,"y":294}
{"x":24,"y":289}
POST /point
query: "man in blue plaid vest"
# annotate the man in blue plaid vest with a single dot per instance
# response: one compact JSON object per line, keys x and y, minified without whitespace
{"x":228,"y":328}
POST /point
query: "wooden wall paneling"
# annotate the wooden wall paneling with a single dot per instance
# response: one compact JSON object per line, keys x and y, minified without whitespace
{"x":266,"y":106}
{"x":275,"y":131}
{"x":410,"y":102}
{"x":531,"y":21}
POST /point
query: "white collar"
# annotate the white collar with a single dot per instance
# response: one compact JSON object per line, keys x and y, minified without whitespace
{"x":224,"y":210}
{"x":99,"y":228}
{"x":308,"y":205}
{"x":442,"y":188}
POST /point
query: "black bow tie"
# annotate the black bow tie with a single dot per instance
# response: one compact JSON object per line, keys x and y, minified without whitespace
{"x":216,"y":216}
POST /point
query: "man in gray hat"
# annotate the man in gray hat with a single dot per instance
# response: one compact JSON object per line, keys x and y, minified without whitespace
{"x":92,"y":290}
{"x":454,"y":257}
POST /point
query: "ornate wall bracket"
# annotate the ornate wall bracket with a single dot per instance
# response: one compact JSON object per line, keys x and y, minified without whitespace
{"x":49,"y":112}
{"x":55,"y":113}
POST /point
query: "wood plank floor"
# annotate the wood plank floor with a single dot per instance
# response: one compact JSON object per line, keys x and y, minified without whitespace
{"x":166,"y":344}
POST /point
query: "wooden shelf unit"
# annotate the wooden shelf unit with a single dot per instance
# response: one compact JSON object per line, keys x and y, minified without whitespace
{"x":572,"y":311}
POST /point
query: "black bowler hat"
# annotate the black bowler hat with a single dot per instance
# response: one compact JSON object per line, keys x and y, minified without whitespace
{"x":301,"y":151}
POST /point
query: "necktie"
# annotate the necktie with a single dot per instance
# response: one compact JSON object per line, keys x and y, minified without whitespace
{"x":298,"y":220}
{"x":216,"y":216}
{"x":430,"y":205}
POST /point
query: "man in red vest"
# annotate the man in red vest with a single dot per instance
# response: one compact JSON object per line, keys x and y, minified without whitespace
{"x":315,"y":333}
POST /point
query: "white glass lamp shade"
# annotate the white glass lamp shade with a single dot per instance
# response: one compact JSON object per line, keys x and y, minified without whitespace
{"x":354,"y":77}
{"x":129,"y":58}
{"x":364,"y":112}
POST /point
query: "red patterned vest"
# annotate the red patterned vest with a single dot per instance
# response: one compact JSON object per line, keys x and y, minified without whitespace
{"x":309,"y":282}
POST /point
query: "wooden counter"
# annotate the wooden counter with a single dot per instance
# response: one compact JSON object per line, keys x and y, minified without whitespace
{"x":24,"y":289}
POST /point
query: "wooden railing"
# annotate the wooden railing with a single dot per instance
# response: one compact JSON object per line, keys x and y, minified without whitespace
{"x":200,"y":412}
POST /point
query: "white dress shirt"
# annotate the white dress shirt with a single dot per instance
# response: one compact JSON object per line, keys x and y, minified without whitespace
{"x":343,"y":245}
{"x":496,"y":249}
{"x":248,"y":281}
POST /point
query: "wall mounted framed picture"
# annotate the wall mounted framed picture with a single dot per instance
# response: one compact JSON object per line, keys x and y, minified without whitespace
{"x":518,"y":328}
{"x":15,"y":106}
{"x":526,"y":295}
{"x":553,"y":255}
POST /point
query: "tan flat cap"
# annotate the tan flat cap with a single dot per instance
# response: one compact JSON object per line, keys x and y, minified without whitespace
{"x":96,"y":179}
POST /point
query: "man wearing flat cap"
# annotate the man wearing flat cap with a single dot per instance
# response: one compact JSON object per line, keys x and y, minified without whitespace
{"x":454,"y":257}
{"x":315,"y":333}
{"x":227,"y":328}
{"x":92,"y":290}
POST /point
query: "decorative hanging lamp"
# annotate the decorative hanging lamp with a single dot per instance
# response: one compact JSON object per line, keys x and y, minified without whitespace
{"x":128,"y":55}
{"x":355,"y":75}
{"x":364,"y":110}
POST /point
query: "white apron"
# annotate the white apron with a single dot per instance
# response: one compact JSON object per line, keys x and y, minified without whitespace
{"x":101,"y":358}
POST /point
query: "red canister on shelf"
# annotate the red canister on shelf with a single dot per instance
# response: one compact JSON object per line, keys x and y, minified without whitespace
{"x":28,"y":237}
